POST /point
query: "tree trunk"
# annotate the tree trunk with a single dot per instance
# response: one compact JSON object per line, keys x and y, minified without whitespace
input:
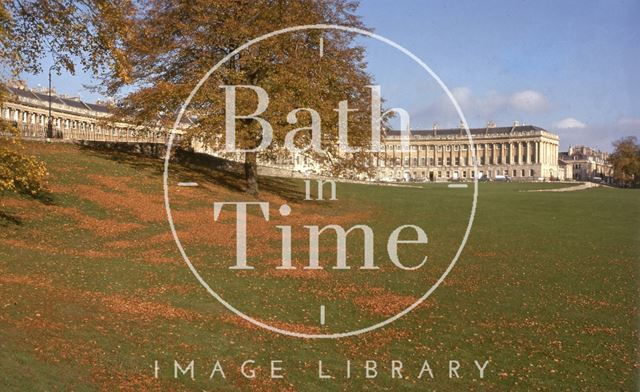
{"x":251,"y":173}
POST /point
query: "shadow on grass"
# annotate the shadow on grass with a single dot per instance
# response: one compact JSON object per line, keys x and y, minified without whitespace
{"x":121,"y":155}
{"x":45,"y":198}
{"x":11,"y":218}
{"x":7,"y":219}
{"x":191,"y":166}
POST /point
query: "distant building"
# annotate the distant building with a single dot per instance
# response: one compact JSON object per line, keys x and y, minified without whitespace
{"x":565,"y":170}
{"x":521,"y":152}
{"x":587,"y":164}
{"x":71,"y":118}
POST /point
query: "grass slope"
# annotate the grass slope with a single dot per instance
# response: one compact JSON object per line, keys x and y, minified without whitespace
{"x":93,"y":290}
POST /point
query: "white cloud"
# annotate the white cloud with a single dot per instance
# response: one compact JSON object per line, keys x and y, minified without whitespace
{"x":570,"y":123}
{"x":480,"y":108}
{"x":529,"y":101}
{"x":462,"y":94}
{"x":599,"y":135}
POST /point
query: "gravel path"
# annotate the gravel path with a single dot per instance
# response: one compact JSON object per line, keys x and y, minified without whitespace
{"x":585,"y":185}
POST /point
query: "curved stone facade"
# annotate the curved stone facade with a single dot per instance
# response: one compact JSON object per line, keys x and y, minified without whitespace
{"x":522,"y":152}
{"x":72,"y":119}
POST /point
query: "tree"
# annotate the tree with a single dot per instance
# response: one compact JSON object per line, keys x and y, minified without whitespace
{"x":85,"y":31}
{"x":626,"y":160}
{"x":174,"y":43}
{"x":19,"y":172}
{"x":69,"y":30}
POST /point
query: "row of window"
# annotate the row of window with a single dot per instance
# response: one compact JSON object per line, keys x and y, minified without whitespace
{"x":28,"y":121}
{"x":41,"y":119}
{"x":455,"y":174}
{"x":457,"y":161}
{"x":463,"y":147}
{"x":99,"y":133}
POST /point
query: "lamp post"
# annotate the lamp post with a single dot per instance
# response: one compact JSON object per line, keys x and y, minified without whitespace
{"x":49,"y":122}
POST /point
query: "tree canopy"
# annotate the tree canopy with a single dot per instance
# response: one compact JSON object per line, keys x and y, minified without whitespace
{"x":159,"y":49}
{"x":69,"y":31}
{"x":172,"y":44}
{"x":88,"y":32}
{"x":626,"y":160}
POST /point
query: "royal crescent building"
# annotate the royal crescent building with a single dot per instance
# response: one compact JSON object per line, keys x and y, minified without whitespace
{"x":522,"y":152}
{"x":518,"y":152}
{"x":71,"y":118}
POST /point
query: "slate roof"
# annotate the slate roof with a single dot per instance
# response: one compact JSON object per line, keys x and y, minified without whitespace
{"x":44,"y":98}
{"x":474,"y":131}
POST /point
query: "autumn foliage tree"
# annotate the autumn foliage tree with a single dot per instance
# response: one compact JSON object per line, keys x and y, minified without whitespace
{"x":86,"y":31}
{"x":174,"y":43}
{"x":19,"y":172}
{"x":626,"y":161}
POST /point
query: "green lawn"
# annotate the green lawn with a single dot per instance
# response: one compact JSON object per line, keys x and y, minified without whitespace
{"x":93,"y":289}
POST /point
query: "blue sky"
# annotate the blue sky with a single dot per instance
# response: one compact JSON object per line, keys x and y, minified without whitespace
{"x":567,"y":66}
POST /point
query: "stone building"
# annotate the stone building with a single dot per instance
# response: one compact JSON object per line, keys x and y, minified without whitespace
{"x":521,"y":152}
{"x":71,"y":118}
{"x":565,"y":170}
{"x":587,"y":163}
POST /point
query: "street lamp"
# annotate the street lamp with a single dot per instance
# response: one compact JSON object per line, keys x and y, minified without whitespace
{"x":50,"y":120}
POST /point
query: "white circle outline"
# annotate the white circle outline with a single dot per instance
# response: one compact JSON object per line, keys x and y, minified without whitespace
{"x":166,"y":183}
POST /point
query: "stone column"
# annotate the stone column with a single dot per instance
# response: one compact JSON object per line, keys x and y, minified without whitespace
{"x":471,"y":153}
{"x":485,"y":153}
{"x":393,"y":158}
{"x":512,"y":153}
{"x":504,"y":153}
{"x":426,"y":156}
{"x":453,"y":162}
{"x":535,"y":151}
{"x":494,"y":153}
{"x":548,"y":148}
